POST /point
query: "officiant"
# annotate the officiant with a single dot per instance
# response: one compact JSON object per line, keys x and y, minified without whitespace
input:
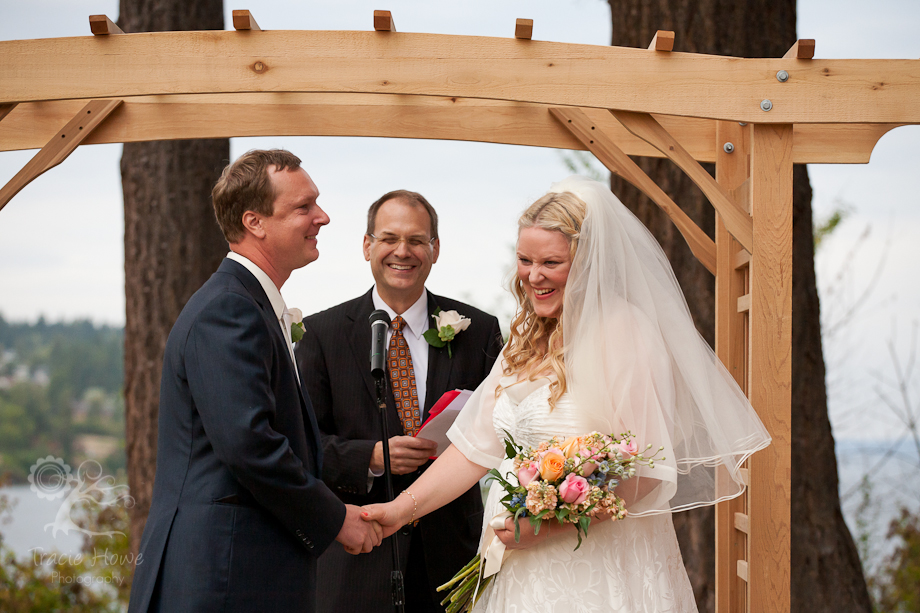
{"x":401,"y":244}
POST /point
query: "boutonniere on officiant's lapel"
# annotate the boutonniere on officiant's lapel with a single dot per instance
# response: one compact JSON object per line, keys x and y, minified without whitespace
{"x":447,"y":324}
{"x":296,"y":324}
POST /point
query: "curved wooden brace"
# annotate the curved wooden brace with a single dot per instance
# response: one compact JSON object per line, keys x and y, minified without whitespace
{"x":737,"y":221}
{"x":60,"y":146}
{"x":619,"y":163}
{"x":560,"y":74}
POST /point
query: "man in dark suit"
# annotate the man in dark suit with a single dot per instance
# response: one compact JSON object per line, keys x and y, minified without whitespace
{"x":239,"y":512}
{"x":401,"y":244}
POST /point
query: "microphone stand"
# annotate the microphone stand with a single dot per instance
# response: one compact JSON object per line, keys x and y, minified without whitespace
{"x":397,"y":587}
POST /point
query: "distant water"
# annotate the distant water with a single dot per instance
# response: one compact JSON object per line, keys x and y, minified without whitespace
{"x":27,"y":531}
{"x":893,"y":482}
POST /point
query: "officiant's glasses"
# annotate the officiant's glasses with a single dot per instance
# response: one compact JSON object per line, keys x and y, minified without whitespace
{"x":412,"y":242}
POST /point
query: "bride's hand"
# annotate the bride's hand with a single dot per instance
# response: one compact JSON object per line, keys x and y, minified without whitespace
{"x":528,"y":538}
{"x":391,"y":515}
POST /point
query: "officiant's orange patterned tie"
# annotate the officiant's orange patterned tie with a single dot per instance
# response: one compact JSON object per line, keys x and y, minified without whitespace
{"x":402,"y":378}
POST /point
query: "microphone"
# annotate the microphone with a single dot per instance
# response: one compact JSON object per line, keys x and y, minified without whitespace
{"x":380,"y":323}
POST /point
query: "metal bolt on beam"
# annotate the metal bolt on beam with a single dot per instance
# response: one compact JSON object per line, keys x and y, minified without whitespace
{"x":782,"y":76}
{"x":728,"y":147}
{"x":765,"y":105}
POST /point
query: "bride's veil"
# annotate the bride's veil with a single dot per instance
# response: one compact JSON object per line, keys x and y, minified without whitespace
{"x":635,"y":362}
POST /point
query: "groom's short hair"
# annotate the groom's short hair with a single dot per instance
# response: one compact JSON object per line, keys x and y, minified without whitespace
{"x":413,"y":198}
{"x":245,"y":185}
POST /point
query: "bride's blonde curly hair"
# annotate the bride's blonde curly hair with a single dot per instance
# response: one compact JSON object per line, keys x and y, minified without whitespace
{"x":535,"y":343}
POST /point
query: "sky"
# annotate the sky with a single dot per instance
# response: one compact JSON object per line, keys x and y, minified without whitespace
{"x":61,"y":249}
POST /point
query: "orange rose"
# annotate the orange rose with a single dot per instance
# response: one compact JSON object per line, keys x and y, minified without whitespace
{"x":552,"y":465}
{"x":571,"y":445}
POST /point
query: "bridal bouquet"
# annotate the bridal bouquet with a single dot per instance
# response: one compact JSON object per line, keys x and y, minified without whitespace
{"x":570,"y":480}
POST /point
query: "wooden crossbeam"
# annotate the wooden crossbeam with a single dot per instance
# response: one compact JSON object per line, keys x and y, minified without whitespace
{"x":149,"y":118}
{"x":5,"y":109}
{"x":803,"y":49}
{"x":619,"y":163}
{"x":100,"y":25}
{"x":60,"y":146}
{"x":243,"y":20}
{"x":556,"y":74}
{"x":383,"y":21}
{"x":662,"y":41}
{"x":523,"y":29}
{"x":648,"y":129}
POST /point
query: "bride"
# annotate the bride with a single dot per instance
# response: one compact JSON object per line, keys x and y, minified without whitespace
{"x":602,"y":340}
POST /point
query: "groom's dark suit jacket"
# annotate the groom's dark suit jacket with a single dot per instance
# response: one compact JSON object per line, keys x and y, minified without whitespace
{"x":239,"y":513}
{"x":333,"y":358}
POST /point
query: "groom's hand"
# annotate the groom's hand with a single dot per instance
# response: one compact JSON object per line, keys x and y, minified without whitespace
{"x":358,"y":536}
{"x":407,"y":453}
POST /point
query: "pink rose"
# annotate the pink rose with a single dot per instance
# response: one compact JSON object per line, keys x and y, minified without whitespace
{"x":628,"y":450}
{"x":587,"y":469}
{"x":526,"y":474}
{"x":574,"y":489}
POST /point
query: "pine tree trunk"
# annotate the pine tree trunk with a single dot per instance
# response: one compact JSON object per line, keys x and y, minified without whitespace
{"x":172,"y":245}
{"x":826,"y":573}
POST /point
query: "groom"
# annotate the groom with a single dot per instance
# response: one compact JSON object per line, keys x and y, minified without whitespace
{"x":239,"y":513}
{"x":401,"y":245}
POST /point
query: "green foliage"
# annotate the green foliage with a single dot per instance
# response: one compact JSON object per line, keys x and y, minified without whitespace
{"x":824,"y":228}
{"x":896,"y":586}
{"x":59,"y":382}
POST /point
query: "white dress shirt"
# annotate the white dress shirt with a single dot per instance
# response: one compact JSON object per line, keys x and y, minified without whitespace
{"x":274,"y":297}
{"x":417,"y":320}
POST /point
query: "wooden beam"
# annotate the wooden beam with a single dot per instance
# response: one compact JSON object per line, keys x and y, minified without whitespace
{"x":742,"y":523}
{"x":5,"y":110}
{"x":732,"y":171}
{"x":803,"y":49}
{"x":100,"y":25}
{"x":662,"y":41}
{"x":523,"y":29}
{"x":243,"y":20}
{"x":557,"y":74}
{"x":383,"y":21}
{"x":153,"y":118}
{"x":771,"y":366}
{"x":619,"y":163}
{"x":59,"y":147}
{"x":736,"y":220}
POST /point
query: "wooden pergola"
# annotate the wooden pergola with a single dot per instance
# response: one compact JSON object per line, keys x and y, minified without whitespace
{"x":754,"y":118}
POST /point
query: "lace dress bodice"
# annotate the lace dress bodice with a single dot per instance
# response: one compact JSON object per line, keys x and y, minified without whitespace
{"x":629,"y":566}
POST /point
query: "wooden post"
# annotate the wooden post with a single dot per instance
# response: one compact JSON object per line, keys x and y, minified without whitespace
{"x":732,"y":343}
{"x":771,"y":366}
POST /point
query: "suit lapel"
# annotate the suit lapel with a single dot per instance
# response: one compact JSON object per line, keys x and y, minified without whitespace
{"x":254,"y":288}
{"x":439,"y":365}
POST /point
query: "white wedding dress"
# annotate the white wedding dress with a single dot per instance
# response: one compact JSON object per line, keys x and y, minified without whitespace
{"x":629,"y":566}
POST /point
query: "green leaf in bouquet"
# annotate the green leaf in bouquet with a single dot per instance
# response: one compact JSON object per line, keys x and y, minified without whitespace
{"x":431,"y":335}
{"x":511,"y":448}
{"x":561,"y":514}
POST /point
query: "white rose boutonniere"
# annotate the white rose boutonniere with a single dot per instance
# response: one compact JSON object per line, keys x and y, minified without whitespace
{"x":447,"y":324}
{"x":296,"y":324}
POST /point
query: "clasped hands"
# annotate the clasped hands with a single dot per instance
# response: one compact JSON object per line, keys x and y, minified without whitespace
{"x":366,"y":527}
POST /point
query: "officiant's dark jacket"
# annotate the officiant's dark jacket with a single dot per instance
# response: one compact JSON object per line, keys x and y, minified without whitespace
{"x":239,"y":513}
{"x":333,"y":358}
